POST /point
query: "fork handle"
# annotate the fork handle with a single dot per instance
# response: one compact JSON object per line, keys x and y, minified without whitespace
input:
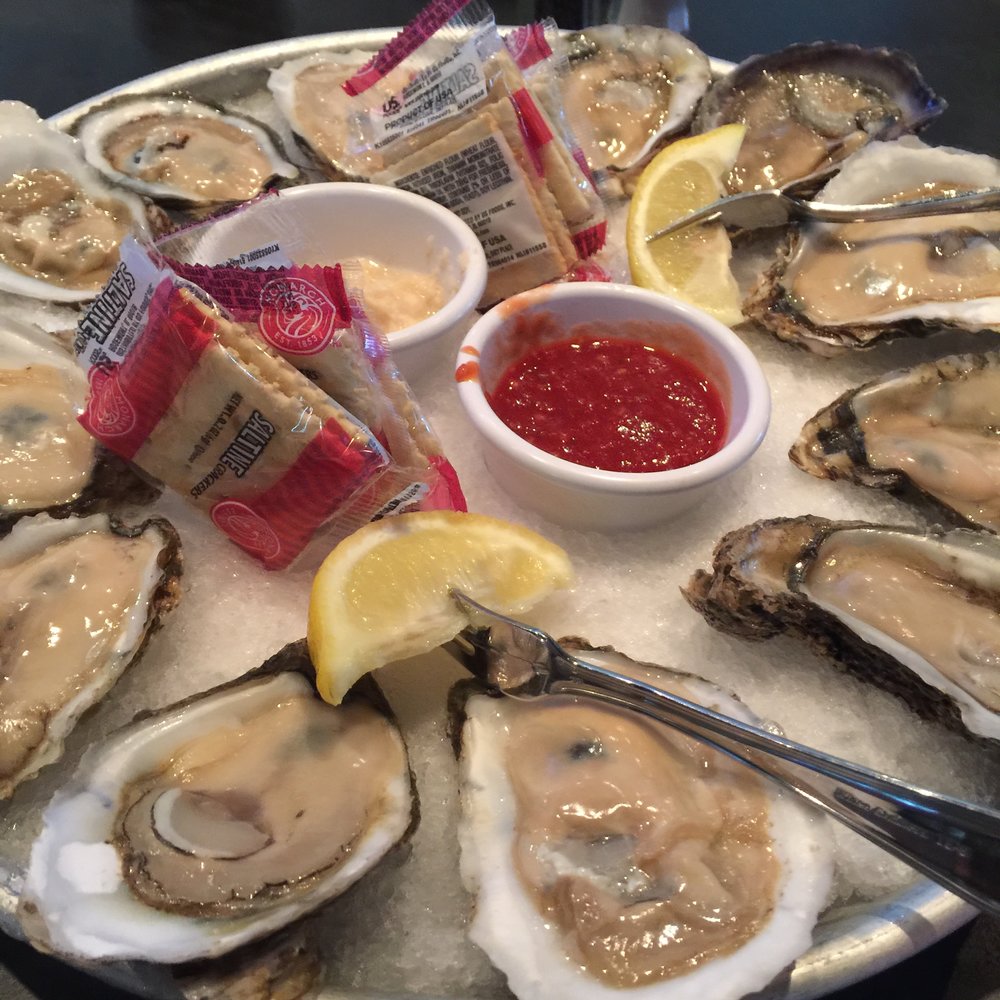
{"x":968,"y":201}
{"x":955,"y":843}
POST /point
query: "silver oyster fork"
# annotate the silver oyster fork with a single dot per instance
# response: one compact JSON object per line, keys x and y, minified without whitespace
{"x":955,"y":843}
{"x":763,"y":209}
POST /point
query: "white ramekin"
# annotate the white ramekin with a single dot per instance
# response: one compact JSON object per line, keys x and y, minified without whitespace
{"x":328,"y":223}
{"x":594,"y":499}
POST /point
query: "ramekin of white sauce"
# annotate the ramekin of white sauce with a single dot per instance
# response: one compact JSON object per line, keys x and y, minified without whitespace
{"x":421,"y":269}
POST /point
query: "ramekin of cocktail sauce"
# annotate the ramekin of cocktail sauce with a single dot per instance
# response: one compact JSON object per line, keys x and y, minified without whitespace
{"x":608,"y":407}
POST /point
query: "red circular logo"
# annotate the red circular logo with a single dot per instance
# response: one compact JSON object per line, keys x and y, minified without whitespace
{"x":110,"y":413}
{"x":296,"y":316}
{"x":249,"y":530}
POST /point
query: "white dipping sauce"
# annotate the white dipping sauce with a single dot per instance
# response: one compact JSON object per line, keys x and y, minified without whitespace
{"x":397,"y":297}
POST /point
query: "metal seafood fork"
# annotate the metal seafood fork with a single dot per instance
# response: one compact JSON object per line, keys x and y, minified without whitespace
{"x":762,"y":209}
{"x":955,"y":843}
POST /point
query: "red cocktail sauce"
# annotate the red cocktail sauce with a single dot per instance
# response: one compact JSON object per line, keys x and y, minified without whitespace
{"x":606,"y":403}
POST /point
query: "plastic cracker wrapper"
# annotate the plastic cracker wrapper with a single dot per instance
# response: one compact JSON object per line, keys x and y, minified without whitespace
{"x":191,"y":398}
{"x":539,"y":55}
{"x":449,"y":116}
{"x":316,"y":318}
{"x":303,"y":314}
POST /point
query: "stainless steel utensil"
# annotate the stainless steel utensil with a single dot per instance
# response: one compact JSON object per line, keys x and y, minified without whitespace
{"x":763,"y":209}
{"x":955,"y":843}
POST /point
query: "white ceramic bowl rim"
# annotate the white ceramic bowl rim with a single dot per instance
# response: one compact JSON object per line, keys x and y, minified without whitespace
{"x":748,"y":437}
{"x":474,"y":271}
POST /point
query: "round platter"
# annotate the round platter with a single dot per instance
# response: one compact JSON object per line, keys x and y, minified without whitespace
{"x":855,"y":939}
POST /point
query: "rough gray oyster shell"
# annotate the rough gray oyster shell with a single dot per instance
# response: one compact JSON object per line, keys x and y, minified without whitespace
{"x":809,"y":106}
{"x":845,"y":586}
{"x":840,"y":286}
{"x":929,"y":434}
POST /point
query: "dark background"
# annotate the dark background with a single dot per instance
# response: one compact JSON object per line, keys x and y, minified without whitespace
{"x":54,"y":53}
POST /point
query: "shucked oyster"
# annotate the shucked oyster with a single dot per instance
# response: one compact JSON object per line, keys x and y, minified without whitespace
{"x":627,"y":87}
{"x":217,"y":820}
{"x":609,"y":852}
{"x":46,"y":457}
{"x":930,"y":430}
{"x":78,"y":599}
{"x":47,"y":460}
{"x":60,"y":222}
{"x":179,"y":150}
{"x":851,"y":285}
{"x":917,"y":614}
{"x":807,"y":107}
{"x":309,"y":94}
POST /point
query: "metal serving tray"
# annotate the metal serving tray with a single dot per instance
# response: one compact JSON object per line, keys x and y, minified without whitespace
{"x":850,"y":943}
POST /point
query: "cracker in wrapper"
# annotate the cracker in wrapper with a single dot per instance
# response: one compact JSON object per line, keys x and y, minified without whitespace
{"x":467,"y":133}
{"x":315,"y":317}
{"x":198,"y":401}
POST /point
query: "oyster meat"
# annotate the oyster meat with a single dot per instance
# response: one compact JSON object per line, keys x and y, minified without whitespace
{"x":61,"y":222}
{"x":627,"y":87}
{"x":807,"y":107}
{"x":915,"y":613}
{"x":79,"y":597}
{"x":610,"y":852}
{"x":309,"y":94}
{"x":179,"y":150}
{"x":218,"y":820}
{"x":46,"y":457}
{"x":930,"y":431}
{"x":47,"y":460}
{"x":848,"y":286}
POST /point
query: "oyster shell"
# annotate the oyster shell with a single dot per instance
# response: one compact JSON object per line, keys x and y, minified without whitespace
{"x":61,"y":222}
{"x":79,"y":597}
{"x":310,"y":96}
{"x":628,"y":87}
{"x":915,"y":613}
{"x":47,"y":460}
{"x":199,"y":828}
{"x":848,"y":286}
{"x":179,"y":150}
{"x":808,"y":107}
{"x":589,"y":832}
{"x":287,"y":966}
{"x":928,"y":433}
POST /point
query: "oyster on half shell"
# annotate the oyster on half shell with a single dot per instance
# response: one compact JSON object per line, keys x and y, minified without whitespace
{"x":48,"y":462}
{"x":61,"y":222}
{"x":78,"y":599}
{"x":848,"y":286}
{"x":931,"y":432}
{"x":808,"y":106}
{"x":916,"y":613}
{"x":175,"y":149}
{"x":218,"y":820}
{"x":610,"y":853}
{"x":309,"y":94}
{"x":628,"y":87}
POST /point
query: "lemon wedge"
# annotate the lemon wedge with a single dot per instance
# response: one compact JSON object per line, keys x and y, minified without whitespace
{"x":692,"y":264}
{"x":384,"y":592}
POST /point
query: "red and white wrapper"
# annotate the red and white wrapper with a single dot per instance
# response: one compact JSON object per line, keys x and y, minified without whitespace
{"x":446,"y":112}
{"x":197,"y":401}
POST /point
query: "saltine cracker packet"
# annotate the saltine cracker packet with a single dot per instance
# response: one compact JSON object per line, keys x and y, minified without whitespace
{"x":192,"y":399}
{"x":447,"y":111}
